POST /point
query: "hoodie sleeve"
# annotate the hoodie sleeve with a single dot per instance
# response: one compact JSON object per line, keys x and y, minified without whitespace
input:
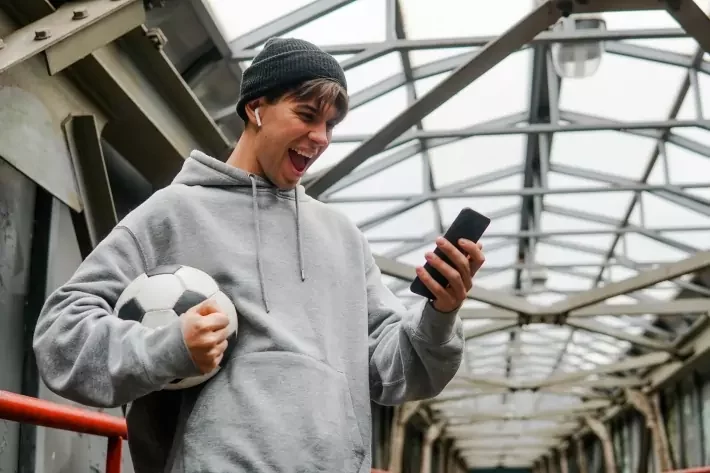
{"x":414,"y":353}
{"x":88,"y":355}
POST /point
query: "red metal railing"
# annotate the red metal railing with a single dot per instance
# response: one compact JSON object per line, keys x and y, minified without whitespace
{"x":30,"y":410}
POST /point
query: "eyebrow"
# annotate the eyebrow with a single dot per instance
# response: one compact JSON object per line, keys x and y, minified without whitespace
{"x":308,"y":107}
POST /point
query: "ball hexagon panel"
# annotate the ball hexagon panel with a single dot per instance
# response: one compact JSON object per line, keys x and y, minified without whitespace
{"x":187,"y":300}
{"x":131,"y":290}
{"x":160,"y":292}
{"x":197,"y":280}
{"x":159,"y":318}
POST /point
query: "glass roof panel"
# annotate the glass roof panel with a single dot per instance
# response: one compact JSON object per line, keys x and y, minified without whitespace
{"x":608,"y":152}
{"x":649,"y":20}
{"x":237,"y":18}
{"x":480,"y":156}
{"x":426,"y":20}
{"x":372,"y":116}
{"x":337,"y":26}
{"x":366,"y":75}
{"x":613,"y":91}
{"x":501,"y":91}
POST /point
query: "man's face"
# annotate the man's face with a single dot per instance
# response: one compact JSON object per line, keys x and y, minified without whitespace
{"x":293,"y":134}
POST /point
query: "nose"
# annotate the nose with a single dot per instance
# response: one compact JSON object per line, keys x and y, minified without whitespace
{"x":319,"y":135}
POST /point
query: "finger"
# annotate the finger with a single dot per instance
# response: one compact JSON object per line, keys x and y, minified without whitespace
{"x":436,"y":289}
{"x":212,"y":322}
{"x":218,"y":349}
{"x":458,"y":259}
{"x":209,"y":340}
{"x":218,"y":337}
{"x":453,"y":276}
{"x":474,"y":251}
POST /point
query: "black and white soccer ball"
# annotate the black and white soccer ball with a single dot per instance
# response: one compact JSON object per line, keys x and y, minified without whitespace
{"x":157,"y":297}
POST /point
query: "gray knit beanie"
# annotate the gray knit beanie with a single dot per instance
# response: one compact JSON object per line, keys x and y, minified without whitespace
{"x":284,"y":62}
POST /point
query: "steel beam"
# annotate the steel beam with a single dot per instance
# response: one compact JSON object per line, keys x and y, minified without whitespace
{"x":455,"y":187}
{"x":649,"y":278}
{"x":627,"y":186}
{"x":548,"y":234}
{"x":72,"y":32}
{"x":136,"y":101}
{"x":692,"y":19}
{"x":544,"y":37}
{"x":497,"y":299}
{"x":411,"y":149}
{"x":491,"y":54}
{"x":82,"y":134}
{"x":670,"y":137}
{"x":614,"y":332}
{"x":680,"y":307}
{"x":627,"y":364}
{"x":284,"y":24}
{"x":528,"y":129}
{"x":671,"y":194}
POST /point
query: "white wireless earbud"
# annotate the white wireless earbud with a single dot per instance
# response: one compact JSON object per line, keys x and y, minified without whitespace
{"x":258,"y":118}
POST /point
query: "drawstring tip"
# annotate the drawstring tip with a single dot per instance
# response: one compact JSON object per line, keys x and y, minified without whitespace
{"x":303,"y":275}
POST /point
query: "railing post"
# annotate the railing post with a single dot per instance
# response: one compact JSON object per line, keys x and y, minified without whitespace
{"x":113,"y":455}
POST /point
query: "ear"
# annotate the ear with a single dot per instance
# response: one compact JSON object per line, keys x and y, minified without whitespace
{"x":250,"y":110}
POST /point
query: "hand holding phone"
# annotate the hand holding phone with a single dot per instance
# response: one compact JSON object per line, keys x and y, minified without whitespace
{"x":446,"y":276}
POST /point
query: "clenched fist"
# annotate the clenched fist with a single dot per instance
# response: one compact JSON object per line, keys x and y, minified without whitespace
{"x":204,"y":329}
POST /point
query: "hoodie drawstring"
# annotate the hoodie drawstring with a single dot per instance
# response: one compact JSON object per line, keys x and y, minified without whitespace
{"x":259,"y":262}
{"x":300,"y":244}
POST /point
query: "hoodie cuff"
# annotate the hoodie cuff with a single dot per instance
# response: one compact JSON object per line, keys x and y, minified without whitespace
{"x":167,"y":355}
{"x":437,"y":327}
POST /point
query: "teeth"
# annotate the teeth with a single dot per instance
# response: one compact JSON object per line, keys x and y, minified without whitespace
{"x":302,"y":153}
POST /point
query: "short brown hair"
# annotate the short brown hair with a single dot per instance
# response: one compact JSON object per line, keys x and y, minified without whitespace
{"x":325,"y":92}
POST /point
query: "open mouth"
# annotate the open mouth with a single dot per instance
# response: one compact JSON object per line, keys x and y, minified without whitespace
{"x":300,"y":161}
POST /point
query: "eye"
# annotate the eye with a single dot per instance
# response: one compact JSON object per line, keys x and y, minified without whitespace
{"x":308,"y":117}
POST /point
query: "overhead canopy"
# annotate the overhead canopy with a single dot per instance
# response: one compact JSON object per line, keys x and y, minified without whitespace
{"x":591,"y":158}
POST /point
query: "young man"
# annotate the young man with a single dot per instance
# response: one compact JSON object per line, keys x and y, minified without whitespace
{"x":319,"y":334}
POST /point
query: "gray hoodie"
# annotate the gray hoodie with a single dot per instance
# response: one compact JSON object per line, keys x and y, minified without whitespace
{"x":319,"y":334}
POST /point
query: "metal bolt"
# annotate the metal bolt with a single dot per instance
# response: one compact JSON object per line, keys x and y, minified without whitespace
{"x":80,"y":14}
{"x":42,"y":34}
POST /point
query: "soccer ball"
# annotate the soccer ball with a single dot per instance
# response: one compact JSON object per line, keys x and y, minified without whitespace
{"x":162,"y":294}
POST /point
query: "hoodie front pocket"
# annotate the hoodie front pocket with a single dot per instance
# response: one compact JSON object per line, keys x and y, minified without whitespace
{"x":274,"y":411}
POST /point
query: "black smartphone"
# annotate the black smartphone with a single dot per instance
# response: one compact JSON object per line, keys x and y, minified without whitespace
{"x":469,"y":225}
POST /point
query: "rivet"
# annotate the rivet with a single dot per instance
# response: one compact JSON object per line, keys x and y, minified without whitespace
{"x":80,"y":14}
{"x":42,"y":34}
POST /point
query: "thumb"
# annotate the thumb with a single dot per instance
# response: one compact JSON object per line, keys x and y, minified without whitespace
{"x":207,"y":307}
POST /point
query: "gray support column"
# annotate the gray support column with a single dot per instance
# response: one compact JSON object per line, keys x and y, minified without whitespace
{"x":399,"y":423}
{"x":430,"y":437}
{"x":654,"y":422}
{"x":601,"y":431}
{"x":582,"y":463}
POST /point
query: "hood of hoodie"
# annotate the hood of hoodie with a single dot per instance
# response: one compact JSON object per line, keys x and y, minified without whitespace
{"x":200,"y":169}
